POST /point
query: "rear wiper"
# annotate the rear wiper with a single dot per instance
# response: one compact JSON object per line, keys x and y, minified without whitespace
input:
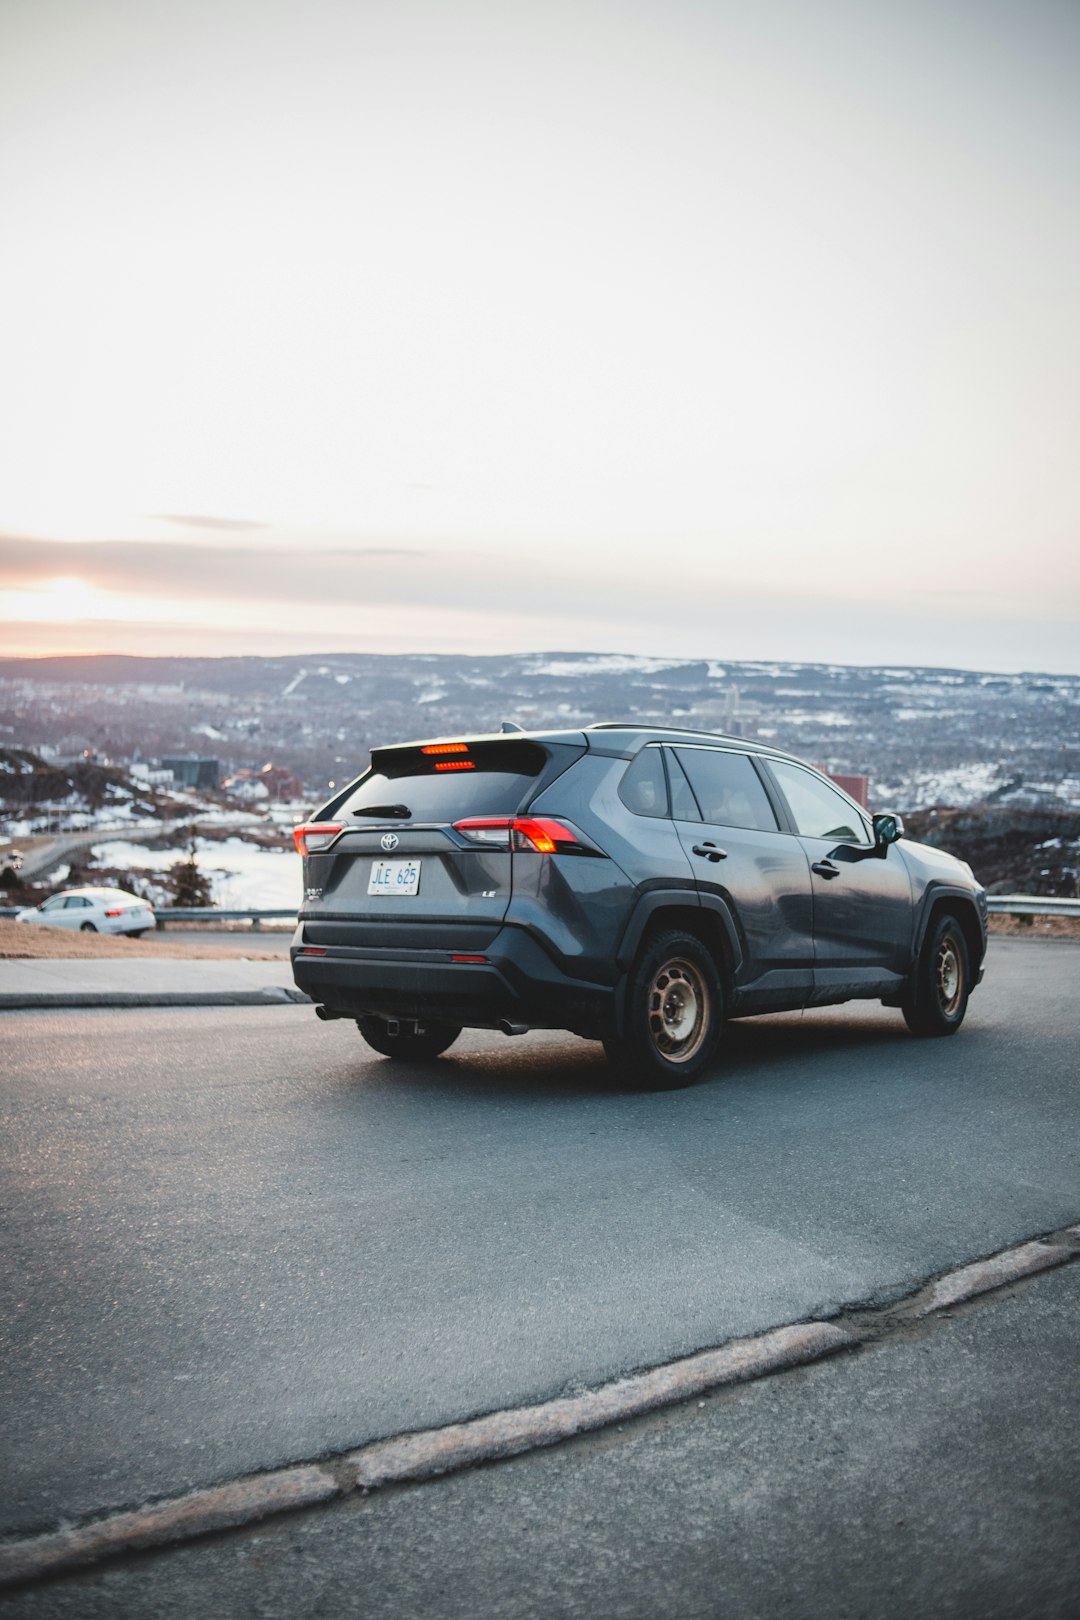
{"x":400,"y":812}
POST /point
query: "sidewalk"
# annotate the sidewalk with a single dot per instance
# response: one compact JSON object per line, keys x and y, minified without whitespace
{"x":159,"y":982}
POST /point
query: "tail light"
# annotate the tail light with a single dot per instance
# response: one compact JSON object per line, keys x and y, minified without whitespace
{"x":313,"y":836}
{"x":527,"y":833}
{"x":119,"y":912}
{"x":445,"y":748}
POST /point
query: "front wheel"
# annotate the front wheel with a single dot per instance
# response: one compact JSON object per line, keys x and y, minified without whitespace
{"x":674,"y":1011}
{"x":420,"y":1042}
{"x":937,"y":994}
{"x":87,"y":928}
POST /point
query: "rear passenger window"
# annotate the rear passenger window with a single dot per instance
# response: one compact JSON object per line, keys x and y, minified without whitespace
{"x":643,"y":788}
{"x":683,"y":804}
{"x":727,"y":788}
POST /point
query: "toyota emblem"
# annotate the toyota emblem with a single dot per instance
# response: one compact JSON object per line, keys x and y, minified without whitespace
{"x":389,"y":840}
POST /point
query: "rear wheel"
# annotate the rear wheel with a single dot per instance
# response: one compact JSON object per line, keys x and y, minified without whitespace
{"x":674,"y":1011}
{"x":416,"y":1041}
{"x":937,"y":994}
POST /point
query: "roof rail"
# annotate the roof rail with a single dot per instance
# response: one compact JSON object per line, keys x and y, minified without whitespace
{"x":644,"y":725}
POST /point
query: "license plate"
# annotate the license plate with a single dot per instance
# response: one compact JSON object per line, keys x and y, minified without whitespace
{"x":394,"y":877}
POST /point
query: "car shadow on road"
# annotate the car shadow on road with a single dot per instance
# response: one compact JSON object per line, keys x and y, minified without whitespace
{"x":560,"y":1066}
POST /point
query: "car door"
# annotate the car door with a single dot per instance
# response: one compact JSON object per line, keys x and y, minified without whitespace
{"x":53,"y":912}
{"x":732,"y":836}
{"x":863,"y":913}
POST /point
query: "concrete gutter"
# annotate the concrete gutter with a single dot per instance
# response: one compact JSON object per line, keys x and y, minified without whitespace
{"x":157,"y":982}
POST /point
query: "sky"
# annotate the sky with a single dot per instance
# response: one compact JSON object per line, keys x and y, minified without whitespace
{"x":654,"y":326}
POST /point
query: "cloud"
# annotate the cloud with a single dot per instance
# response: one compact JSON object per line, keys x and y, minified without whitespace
{"x":512,"y":599}
{"x":195,"y":521}
{"x":196,"y":571}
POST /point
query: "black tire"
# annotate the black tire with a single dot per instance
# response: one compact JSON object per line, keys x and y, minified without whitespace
{"x":87,"y":928}
{"x":137,"y":933}
{"x":937,"y":994}
{"x":674,"y":1014}
{"x":428,"y":1042}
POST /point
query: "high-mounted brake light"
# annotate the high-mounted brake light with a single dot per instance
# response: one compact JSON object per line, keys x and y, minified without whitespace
{"x":540,"y":834}
{"x":445,"y":748}
{"x":456,"y":765}
{"x":314,"y":836}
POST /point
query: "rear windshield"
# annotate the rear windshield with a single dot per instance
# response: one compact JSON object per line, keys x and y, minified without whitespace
{"x":475,"y":779}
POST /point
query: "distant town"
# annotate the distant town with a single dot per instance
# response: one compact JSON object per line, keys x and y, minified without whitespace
{"x":101,"y":740}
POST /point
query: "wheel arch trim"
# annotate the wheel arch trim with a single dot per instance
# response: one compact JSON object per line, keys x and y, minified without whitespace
{"x":688,"y":910}
{"x":962,"y":903}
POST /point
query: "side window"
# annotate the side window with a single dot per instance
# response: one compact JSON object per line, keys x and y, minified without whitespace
{"x":683,"y":805}
{"x":643,"y":788}
{"x":817,"y":809}
{"x":727,"y":788}
{"x":74,"y":901}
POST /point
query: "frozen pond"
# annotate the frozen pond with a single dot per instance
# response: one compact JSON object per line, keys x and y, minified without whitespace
{"x":241,"y":875}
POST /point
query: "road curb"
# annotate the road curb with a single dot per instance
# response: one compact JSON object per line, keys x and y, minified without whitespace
{"x":1001,"y":1269}
{"x":224,"y":1507}
{"x":506,"y":1434}
{"x":270,"y":996}
{"x":427,"y":1454}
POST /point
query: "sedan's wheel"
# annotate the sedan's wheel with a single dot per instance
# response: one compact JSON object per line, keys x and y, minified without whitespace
{"x":417,"y":1043}
{"x":673,"y":1014}
{"x":87,"y":928}
{"x":937,"y":994}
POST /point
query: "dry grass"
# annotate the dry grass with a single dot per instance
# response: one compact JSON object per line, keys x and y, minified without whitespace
{"x":1036,"y":927}
{"x":28,"y":940}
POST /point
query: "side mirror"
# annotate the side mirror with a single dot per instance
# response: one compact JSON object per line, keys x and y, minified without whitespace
{"x":888,"y":828}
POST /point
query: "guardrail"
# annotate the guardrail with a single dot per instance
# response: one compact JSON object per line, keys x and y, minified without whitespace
{"x":1031,"y":905}
{"x":1000,"y":905}
{"x":208,"y":914}
{"x":168,"y":914}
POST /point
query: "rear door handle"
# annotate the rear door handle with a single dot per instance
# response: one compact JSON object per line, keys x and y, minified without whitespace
{"x":711,"y":852}
{"x":825,"y":869}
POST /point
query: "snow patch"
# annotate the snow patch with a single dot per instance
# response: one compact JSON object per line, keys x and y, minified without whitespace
{"x":241,"y":875}
{"x":605,"y":664}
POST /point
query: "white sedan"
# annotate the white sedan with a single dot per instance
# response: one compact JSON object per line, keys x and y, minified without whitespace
{"x":94,"y":911}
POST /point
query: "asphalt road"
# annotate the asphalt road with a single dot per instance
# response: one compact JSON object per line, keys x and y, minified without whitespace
{"x":932,"y":1477}
{"x":234,"y":1238}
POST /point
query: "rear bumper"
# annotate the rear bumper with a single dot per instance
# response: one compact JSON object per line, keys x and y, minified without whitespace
{"x":517,"y":980}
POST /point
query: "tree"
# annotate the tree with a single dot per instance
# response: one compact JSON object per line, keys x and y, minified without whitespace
{"x":190,"y":886}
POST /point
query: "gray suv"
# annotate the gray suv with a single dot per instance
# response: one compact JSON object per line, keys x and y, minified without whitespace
{"x":636,"y":886}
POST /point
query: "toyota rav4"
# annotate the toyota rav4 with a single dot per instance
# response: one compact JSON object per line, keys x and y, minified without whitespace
{"x":635,"y":886}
